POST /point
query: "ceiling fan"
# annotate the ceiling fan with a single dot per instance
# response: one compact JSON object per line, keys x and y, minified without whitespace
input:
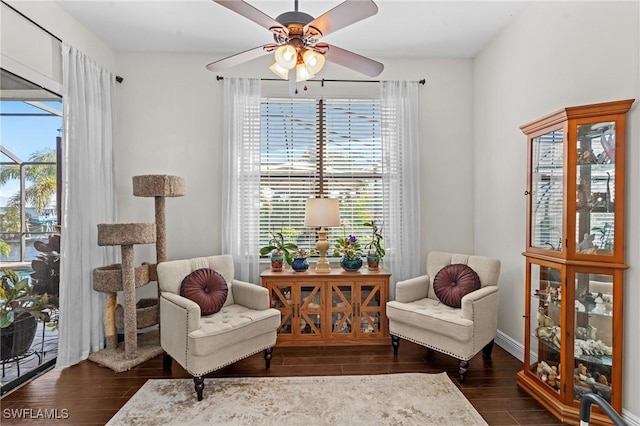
{"x":298,"y":53}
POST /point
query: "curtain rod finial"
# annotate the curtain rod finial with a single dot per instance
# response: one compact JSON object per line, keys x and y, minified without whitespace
{"x":119,"y":79}
{"x":423,"y":81}
{"x":219,"y":77}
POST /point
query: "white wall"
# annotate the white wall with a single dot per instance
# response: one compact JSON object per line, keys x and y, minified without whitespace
{"x":35,"y":50}
{"x":553,"y":55}
{"x":170,"y":122}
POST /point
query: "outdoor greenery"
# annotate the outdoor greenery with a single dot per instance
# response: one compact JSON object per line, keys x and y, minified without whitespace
{"x":40,"y":187}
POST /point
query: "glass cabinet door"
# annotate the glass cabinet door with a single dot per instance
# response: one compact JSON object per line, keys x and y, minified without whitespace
{"x":281,"y":299}
{"x":547,"y":187}
{"x":593,"y":345}
{"x":369,"y":309}
{"x":342,"y":308}
{"x":545,"y":326}
{"x":309,"y":309}
{"x":595,"y":188}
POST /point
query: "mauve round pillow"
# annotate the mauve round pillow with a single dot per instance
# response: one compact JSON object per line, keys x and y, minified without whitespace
{"x":453,"y":282}
{"x":207,"y":288}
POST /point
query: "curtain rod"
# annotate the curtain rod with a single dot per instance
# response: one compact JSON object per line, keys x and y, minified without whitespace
{"x":118,"y":78}
{"x":423,"y":81}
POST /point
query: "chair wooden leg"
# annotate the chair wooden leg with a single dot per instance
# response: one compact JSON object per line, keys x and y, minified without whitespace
{"x":463,"y":368}
{"x":167,"y":361}
{"x":486,"y":351}
{"x":395,"y":342}
{"x":199,"y":386}
{"x":268,"y":353}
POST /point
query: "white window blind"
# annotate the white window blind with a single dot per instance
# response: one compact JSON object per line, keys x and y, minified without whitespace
{"x":311,"y":148}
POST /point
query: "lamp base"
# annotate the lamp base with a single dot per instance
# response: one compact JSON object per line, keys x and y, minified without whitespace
{"x":322,"y":245}
{"x":323,"y":266}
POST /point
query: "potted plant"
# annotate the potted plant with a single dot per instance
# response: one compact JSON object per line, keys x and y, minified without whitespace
{"x":46,"y":269}
{"x":280,"y":250}
{"x":375,"y":251}
{"x":19,"y":310}
{"x":300,"y":263}
{"x":351,"y":252}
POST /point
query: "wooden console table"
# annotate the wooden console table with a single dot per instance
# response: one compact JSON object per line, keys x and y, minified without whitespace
{"x":338,"y":308}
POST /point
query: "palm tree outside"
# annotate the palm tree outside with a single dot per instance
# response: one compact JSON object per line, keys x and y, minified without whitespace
{"x":40,"y":176}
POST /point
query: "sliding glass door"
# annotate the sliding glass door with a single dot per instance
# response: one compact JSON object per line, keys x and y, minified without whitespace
{"x":31,"y":126}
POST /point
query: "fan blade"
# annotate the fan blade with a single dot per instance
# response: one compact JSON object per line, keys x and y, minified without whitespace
{"x":352,"y":60}
{"x":239,"y":58}
{"x":250,"y":12}
{"x":344,"y":14}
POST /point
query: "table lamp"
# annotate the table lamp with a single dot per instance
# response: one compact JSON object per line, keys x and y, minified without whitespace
{"x":322,"y":212}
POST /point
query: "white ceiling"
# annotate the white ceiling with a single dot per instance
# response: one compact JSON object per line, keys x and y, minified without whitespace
{"x":447,"y":28}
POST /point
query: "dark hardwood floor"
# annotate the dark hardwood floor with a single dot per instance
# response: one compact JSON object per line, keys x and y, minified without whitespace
{"x":91,"y":394}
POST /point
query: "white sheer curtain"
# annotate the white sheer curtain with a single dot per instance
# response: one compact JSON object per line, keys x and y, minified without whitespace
{"x":88,"y":199}
{"x":401,"y":179}
{"x":241,"y":176}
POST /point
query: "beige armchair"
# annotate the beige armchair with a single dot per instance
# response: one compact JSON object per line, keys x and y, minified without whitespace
{"x":243,"y":326}
{"x":418,"y":315}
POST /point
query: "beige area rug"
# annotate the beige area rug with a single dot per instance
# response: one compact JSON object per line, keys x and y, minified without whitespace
{"x":389,"y":399}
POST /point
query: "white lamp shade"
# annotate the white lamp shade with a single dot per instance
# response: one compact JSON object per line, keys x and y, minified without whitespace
{"x":302,"y":73}
{"x":313,"y":60}
{"x":283,"y":73}
{"x":322,"y":212}
{"x":286,"y":56}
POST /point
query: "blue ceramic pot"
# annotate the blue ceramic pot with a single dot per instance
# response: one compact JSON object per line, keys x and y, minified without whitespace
{"x":300,"y":264}
{"x":351,"y":265}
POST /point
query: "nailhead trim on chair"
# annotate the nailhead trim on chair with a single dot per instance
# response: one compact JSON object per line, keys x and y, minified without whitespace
{"x":186,"y":353}
{"x":228,"y":363}
{"x":431,"y":347}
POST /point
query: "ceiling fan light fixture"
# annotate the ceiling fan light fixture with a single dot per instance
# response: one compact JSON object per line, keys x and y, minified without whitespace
{"x":313,"y":60}
{"x":286,"y":56}
{"x":303,"y":73}
{"x":283,"y":73}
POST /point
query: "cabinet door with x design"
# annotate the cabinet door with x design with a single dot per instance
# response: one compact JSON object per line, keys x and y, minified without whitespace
{"x":356,"y":310}
{"x":338,"y":308}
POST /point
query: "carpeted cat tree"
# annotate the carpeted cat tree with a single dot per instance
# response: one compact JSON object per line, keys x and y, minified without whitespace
{"x":124,"y":277}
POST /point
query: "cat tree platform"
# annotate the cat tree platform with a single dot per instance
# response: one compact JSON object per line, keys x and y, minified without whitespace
{"x":124,"y":277}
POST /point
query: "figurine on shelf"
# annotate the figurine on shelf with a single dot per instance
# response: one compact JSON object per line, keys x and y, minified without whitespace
{"x":600,"y":306}
{"x":586,"y":245}
{"x":543,"y":319}
{"x":586,"y":157}
{"x":580,"y":374}
{"x":556,"y":336}
{"x":602,"y":379}
{"x":586,"y":333}
{"x":553,"y":379}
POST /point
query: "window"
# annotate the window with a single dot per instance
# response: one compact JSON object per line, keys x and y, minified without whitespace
{"x":31,"y":121}
{"x":312,"y":148}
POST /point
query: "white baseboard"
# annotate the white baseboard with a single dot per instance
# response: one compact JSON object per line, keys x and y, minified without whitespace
{"x":510,"y":345}
{"x":630,"y":418}
{"x":516,"y":349}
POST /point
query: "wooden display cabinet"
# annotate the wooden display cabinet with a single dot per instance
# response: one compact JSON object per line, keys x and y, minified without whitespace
{"x":338,"y":308}
{"x":575,"y":258}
